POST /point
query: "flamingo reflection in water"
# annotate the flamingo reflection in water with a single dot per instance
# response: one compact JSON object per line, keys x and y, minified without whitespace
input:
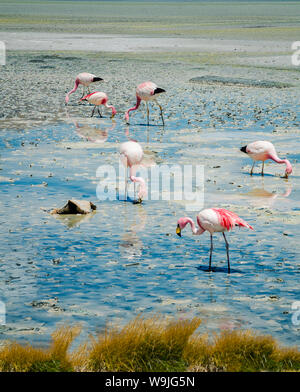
{"x":131,"y":245}
{"x":261,"y":197}
{"x":94,"y":133}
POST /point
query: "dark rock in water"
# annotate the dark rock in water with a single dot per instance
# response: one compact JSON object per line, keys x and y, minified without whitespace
{"x":239,"y":82}
{"x":46,"y":67}
{"x":49,"y":56}
{"x":68,"y":58}
{"x":75,"y":207}
{"x":37,"y":61}
{"x":50,"y":304}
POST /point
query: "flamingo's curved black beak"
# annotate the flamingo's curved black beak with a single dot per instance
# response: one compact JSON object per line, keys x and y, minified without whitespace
{"x":178,"y":230}
{"x":96,"y":79}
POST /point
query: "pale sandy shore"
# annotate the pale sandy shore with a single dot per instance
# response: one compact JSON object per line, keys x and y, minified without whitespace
{"x":244,"y":52}
{"x":121,"y":43}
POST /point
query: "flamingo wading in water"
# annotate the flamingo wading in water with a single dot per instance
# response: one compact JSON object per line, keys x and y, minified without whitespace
{"x":131,"y":154}
{"x":263,"y":150}
{"x":213,"y":220}
{"x":99,"y":98}
{"x":85,"y":79}
{"x":146,"y":91}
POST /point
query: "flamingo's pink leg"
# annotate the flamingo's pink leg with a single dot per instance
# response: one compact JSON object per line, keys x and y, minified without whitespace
{"x":262,"y":169}
{"x":211,"y":250}
{"x":83,"y":90}
{"x":161,"y":113}
{"x":251,"y":171}
{"x":147,"y":113}
{"x":126,"y":181}
{"x":227,"y":251}
{"x":99,"y":112}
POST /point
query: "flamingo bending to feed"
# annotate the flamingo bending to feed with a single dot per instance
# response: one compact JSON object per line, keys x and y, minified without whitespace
{"x":132,"y":154}
{"x":85,"y":79}
{"x":263,"y":150}
{"x":99,"y":98}
{"x":213,"y":220}
{"x":146,"y":91}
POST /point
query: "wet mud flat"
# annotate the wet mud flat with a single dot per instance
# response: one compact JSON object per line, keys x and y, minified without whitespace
{"x":219,"y":80}
{"x":125,"y":259}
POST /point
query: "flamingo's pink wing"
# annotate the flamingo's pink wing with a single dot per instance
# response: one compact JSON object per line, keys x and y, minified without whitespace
{"x":229,"y":219}
{"x":87,"y":96}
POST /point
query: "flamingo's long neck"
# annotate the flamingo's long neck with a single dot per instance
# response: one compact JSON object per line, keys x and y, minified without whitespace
{"x":191,"y":222}
{"x":143,"y":188}
{"x":72,"y":91}
{"x":140,"y":180}
{"x":275,"y":158}
{"x":138,"y":102}
{"x":113,"y":110}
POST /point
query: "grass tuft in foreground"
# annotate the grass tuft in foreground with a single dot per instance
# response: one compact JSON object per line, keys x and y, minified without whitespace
{"x":240,"y":351}
{"x":153,"y":345}
{"x":143,"y":345}
{"x":17,"y":358}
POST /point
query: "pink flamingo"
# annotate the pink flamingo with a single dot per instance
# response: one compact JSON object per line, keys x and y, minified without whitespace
{"x":132,"y":154}
{"x":85,"y":79}
{"x":261,"y":151}
{"x":146,"y":91}
{"x":213,"y":220}
{"x":98,"y":98}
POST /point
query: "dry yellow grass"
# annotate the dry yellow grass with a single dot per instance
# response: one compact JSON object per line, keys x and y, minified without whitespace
{"x":17,"y":358}
{"x":153,"y":345}
{"x":240,"y":351}
{"x":143,"y":345}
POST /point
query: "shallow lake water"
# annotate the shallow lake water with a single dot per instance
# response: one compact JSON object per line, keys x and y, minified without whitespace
{"x":126,"y":259}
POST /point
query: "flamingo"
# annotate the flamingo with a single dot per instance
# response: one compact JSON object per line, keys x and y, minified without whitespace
{"x":99,"y":98}
{"x":213,"y":220}
{"x":132,"y":154}
{"x":85,"y":79}
{"x":263,"y":150}
{"x":146,"y":91}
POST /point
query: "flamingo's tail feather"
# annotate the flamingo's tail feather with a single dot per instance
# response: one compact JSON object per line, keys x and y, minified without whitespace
{"x":229,"y":219}
{"x":243,"y":223}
